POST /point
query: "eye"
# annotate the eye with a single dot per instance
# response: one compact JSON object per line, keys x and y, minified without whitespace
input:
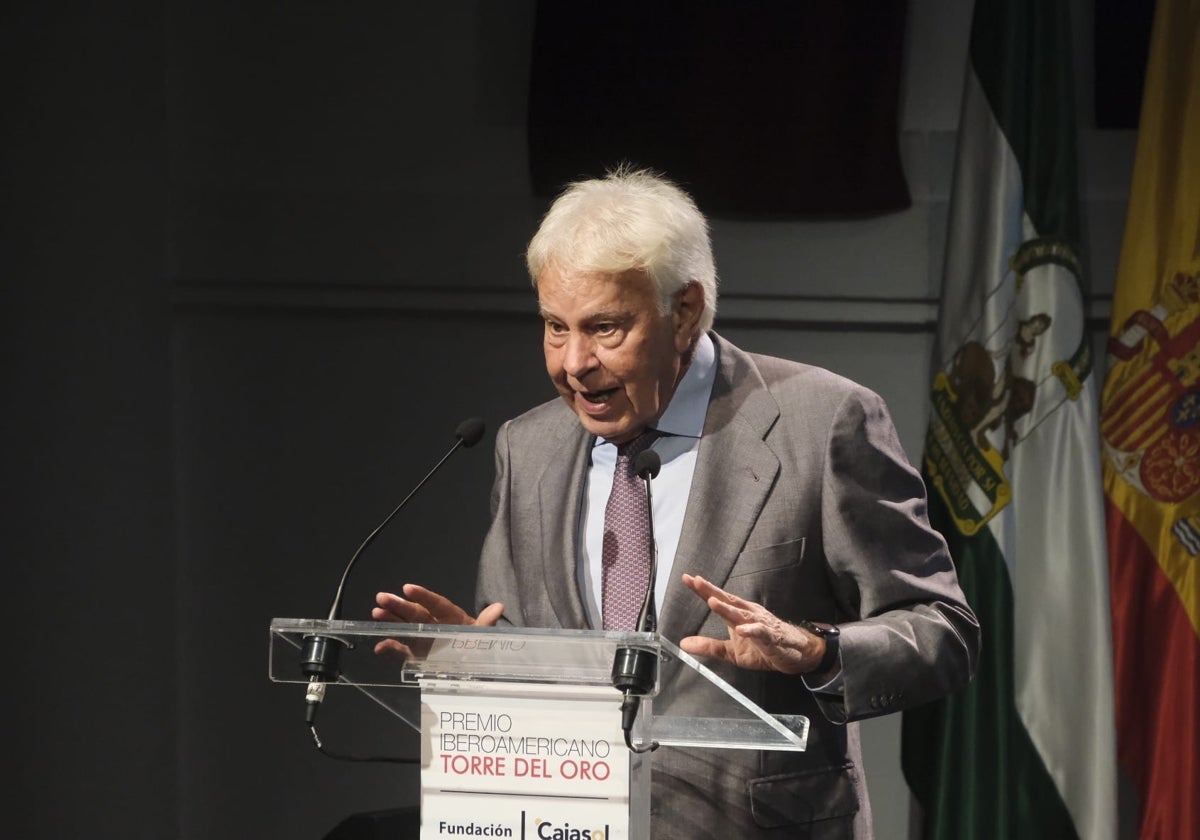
{"x":604,"y":328}
{"x":555,"y":328}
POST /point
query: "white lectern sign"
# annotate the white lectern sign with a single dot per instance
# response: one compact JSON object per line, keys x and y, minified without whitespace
{"x":521,"y":726}
{"x":523,"y":761}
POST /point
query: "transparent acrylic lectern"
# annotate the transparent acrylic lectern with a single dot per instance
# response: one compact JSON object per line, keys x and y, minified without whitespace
{"x":698,"y":708}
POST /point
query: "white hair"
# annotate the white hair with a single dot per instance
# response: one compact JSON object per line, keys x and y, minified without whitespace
{"x":629,"y":220}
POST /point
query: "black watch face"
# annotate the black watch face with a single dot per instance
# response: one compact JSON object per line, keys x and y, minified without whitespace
{"x":813,"y":627}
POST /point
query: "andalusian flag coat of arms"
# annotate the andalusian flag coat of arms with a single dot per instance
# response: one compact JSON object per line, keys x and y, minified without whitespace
{"x":1151,"y":435}
{"x":1012,"y":462}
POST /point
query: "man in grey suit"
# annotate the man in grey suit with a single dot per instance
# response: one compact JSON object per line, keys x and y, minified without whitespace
{"x":794,"y":547}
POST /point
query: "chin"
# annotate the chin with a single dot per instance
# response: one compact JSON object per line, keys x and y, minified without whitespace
{"x":606,"y":429}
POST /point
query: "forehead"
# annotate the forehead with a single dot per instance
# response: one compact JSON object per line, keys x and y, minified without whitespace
{"x":583,"y":293}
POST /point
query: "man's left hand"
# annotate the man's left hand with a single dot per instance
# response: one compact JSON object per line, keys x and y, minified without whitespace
{"x":758,"y":639}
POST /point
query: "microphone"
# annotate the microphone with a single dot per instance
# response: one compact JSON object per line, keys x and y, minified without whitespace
{"x":634,"y":671}
{"x":646,"y":466}
{"x":321,"y":653}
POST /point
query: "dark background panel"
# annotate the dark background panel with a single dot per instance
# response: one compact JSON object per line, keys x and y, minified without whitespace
{"x":788,"y":111}
{"x":259,"y":260}
{"x":1122,"y":45}
{"x":296,"y":436}
{"x":87,"y":464}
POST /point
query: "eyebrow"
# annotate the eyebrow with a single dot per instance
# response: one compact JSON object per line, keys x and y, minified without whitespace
{"x":616,"y":315}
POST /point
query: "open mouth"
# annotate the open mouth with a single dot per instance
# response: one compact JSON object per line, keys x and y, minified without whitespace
{"x":597,"y":397}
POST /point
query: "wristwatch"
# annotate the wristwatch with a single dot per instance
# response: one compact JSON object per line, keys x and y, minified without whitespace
{"x":832,"y":636}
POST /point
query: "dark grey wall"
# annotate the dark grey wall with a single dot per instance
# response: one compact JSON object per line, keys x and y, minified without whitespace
{"x":296,"y":436}
{"x":85,"y":322}
{"x":347,"y":182}
{"x":193,"y":443}
{"x":259,"y":260}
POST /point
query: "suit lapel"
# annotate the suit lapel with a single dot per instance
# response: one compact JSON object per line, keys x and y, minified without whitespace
{"x":560,"y":495}
{"x":734,"y":472}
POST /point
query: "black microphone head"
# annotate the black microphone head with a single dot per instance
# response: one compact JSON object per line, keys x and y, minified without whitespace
{"x":470,"y":431}
{"x":647,"y":464}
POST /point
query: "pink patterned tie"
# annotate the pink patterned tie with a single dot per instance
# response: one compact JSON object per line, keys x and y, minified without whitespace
{"x":625,"y":559}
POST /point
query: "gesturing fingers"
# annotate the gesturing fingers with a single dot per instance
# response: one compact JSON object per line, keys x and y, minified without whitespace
{"x":707,"y":589}
{"x":424,"y":606}
{"x":714,"y":594}
{"x":736,"y":612}
{"x":441,"y":610}
{"x":704,"y":646}
{"x":490,"y":615}
{"x":393,"y":648}
{"x":394,"y":608}
{"x":757,"y":637}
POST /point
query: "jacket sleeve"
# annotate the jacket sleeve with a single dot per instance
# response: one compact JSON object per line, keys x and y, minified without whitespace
{"x":911,"y":637}
{"x":496,"y":579}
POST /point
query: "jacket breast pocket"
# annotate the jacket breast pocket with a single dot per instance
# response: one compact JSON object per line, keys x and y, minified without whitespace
{"x":768,"y":558}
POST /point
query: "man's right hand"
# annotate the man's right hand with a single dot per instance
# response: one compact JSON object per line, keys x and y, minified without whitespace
{"x":419,"y":605}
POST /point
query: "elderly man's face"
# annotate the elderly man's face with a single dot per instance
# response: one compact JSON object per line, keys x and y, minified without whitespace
{"x":610,"y":353}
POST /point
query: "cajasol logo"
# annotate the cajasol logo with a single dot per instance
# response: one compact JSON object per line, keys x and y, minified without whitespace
{"x":547,"y":830}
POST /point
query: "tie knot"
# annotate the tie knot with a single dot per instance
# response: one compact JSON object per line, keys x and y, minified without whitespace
{"x":632,"y":448}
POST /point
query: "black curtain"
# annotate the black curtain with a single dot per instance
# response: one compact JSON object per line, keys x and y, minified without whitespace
{"x":759,"y":109}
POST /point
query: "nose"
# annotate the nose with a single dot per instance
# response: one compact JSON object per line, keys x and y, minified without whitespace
{"x":580,"y":357}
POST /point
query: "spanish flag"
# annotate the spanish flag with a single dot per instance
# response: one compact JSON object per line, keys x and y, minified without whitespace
{"x":1150,"y":429}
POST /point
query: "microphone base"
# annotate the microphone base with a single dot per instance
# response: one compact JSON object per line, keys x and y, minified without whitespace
{"x":635,"y":671}
{"x":319,"y":659}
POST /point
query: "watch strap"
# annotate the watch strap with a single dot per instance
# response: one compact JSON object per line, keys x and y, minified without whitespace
{"x":832,"y":636}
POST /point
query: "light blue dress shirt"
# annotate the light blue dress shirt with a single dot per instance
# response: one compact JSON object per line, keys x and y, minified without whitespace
{"x":681,"y":425}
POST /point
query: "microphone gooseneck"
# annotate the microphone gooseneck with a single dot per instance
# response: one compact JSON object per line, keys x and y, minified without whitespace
{"x":646,"y":466}
{"x":634,"y":670}
{"x":319,"y":658}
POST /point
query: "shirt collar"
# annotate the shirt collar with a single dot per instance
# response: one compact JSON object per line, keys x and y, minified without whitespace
{"x":685,"y":413}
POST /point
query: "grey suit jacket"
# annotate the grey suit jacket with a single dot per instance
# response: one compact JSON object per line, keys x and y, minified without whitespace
{"x":802,"y":500}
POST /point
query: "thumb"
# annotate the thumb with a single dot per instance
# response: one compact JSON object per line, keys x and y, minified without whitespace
{"x":704,"y":646}
{"x":490,"y":615}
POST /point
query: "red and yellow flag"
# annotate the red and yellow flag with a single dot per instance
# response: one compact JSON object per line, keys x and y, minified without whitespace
{"x":1150,"y":426}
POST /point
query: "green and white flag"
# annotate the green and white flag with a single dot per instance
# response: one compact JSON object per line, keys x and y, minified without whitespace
{"x":1012,"y":463}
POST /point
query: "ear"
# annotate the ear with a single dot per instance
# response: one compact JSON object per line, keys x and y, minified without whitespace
{"x":685,"y":316}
